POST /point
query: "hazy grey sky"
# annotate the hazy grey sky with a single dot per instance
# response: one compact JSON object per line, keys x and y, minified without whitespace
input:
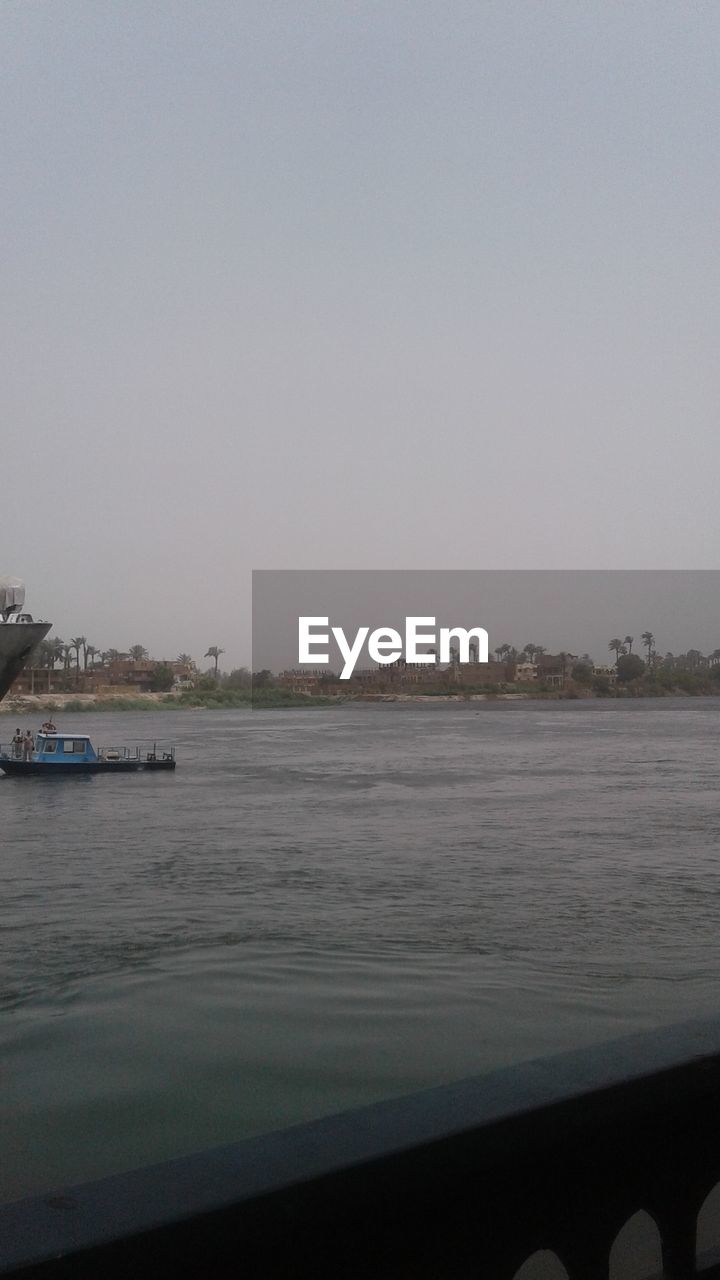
{"x":576,"y":610}
{"x":328,"y":284}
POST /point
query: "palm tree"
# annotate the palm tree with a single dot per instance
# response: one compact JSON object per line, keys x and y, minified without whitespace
{"x":629,"y":641}
{"x":619,"y":648}
{"x":184,"y":659}
{"x":214,"y":652}
{"x":66,"y":656}
{"x":57,"y":647}
{"x":648,"y":640}
{"x":77,"y":643}
{"x":138,"y":652}
{"x":90,"y":652}
{"x":40,"y":656}
{"x":111,"y":655}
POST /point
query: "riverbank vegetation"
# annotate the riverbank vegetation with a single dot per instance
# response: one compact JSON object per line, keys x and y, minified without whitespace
{"x":269,"y":699}
{"x":195,"y":699}
{"x":558,"y":677}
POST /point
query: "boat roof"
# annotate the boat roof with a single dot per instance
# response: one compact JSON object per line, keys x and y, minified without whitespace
{"x":42,"y":733}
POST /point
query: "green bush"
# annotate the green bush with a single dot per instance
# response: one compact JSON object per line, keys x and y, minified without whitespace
{"x":629,"y":667}
{"x":582,"y":673}
{"x":163,"y":679}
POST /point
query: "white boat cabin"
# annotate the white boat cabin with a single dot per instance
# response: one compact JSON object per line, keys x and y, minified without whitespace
{"x":63,"y":748}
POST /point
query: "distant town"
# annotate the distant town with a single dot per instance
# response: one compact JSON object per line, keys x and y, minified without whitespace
{"x":76,"y":667}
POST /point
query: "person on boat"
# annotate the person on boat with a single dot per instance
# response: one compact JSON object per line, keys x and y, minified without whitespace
{"x":17,"y":744}
{"x":48,"y":726}
{"x":28,"y":745}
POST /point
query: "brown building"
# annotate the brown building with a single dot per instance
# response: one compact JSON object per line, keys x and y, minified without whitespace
{"x":115,"y":677}
{"x":477,"y":674}
{"x":308,"y":681}
{"x":554,"y":669}
{"x":399,"y":677}
{"x":43,"y":680}
{"x":136,"y":675}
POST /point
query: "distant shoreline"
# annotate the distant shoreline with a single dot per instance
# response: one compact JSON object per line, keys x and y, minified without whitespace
{"x":31,"y":704}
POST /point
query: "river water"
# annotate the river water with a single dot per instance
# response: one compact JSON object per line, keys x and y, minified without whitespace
{"x":324,"y":907}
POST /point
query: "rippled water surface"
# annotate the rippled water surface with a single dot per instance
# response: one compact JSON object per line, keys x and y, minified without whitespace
{"x":324,"y":907}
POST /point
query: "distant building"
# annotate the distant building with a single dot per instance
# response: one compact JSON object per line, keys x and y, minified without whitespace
{"x":399,"y":676}
{"x":303,"y":681}
{"x":553,"y":669}
{"x":478,"y":674}
{"x":606,"y":673}
{"x":526,"y":672}
{"x":112,"y":678}
{"x":133,"y":675}
{"x":42,"y":680}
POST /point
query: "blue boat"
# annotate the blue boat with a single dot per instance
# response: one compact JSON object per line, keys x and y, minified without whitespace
{"x":57,"y":753}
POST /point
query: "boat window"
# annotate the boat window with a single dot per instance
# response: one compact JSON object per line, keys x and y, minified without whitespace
{"x":68,"y":747}
{"x":79,"y":747}
{"x":49,"y":748}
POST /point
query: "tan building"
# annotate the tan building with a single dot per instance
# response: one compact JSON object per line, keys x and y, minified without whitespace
{"x":43,"y":680}
{"x":526,"y":673}
{"x":303,"y":681}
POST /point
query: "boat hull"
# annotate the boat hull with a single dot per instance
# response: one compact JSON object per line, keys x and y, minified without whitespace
{"x":44,"y":769}
{"x":17,"y":642}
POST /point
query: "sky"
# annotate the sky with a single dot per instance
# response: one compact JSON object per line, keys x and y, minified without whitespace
{"x":351,"y":285}
{"x":577,"y":611}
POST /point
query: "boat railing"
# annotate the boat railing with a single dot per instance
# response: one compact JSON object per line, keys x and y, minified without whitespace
{"x":489,"y":1177}
{"x":139,"y":751}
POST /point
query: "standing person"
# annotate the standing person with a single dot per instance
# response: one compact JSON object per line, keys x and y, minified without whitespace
{"x":17,"y":744}
{"x":28,"y":745}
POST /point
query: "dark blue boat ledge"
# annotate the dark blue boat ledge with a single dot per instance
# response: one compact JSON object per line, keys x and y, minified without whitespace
{"x":463,"y":1180}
